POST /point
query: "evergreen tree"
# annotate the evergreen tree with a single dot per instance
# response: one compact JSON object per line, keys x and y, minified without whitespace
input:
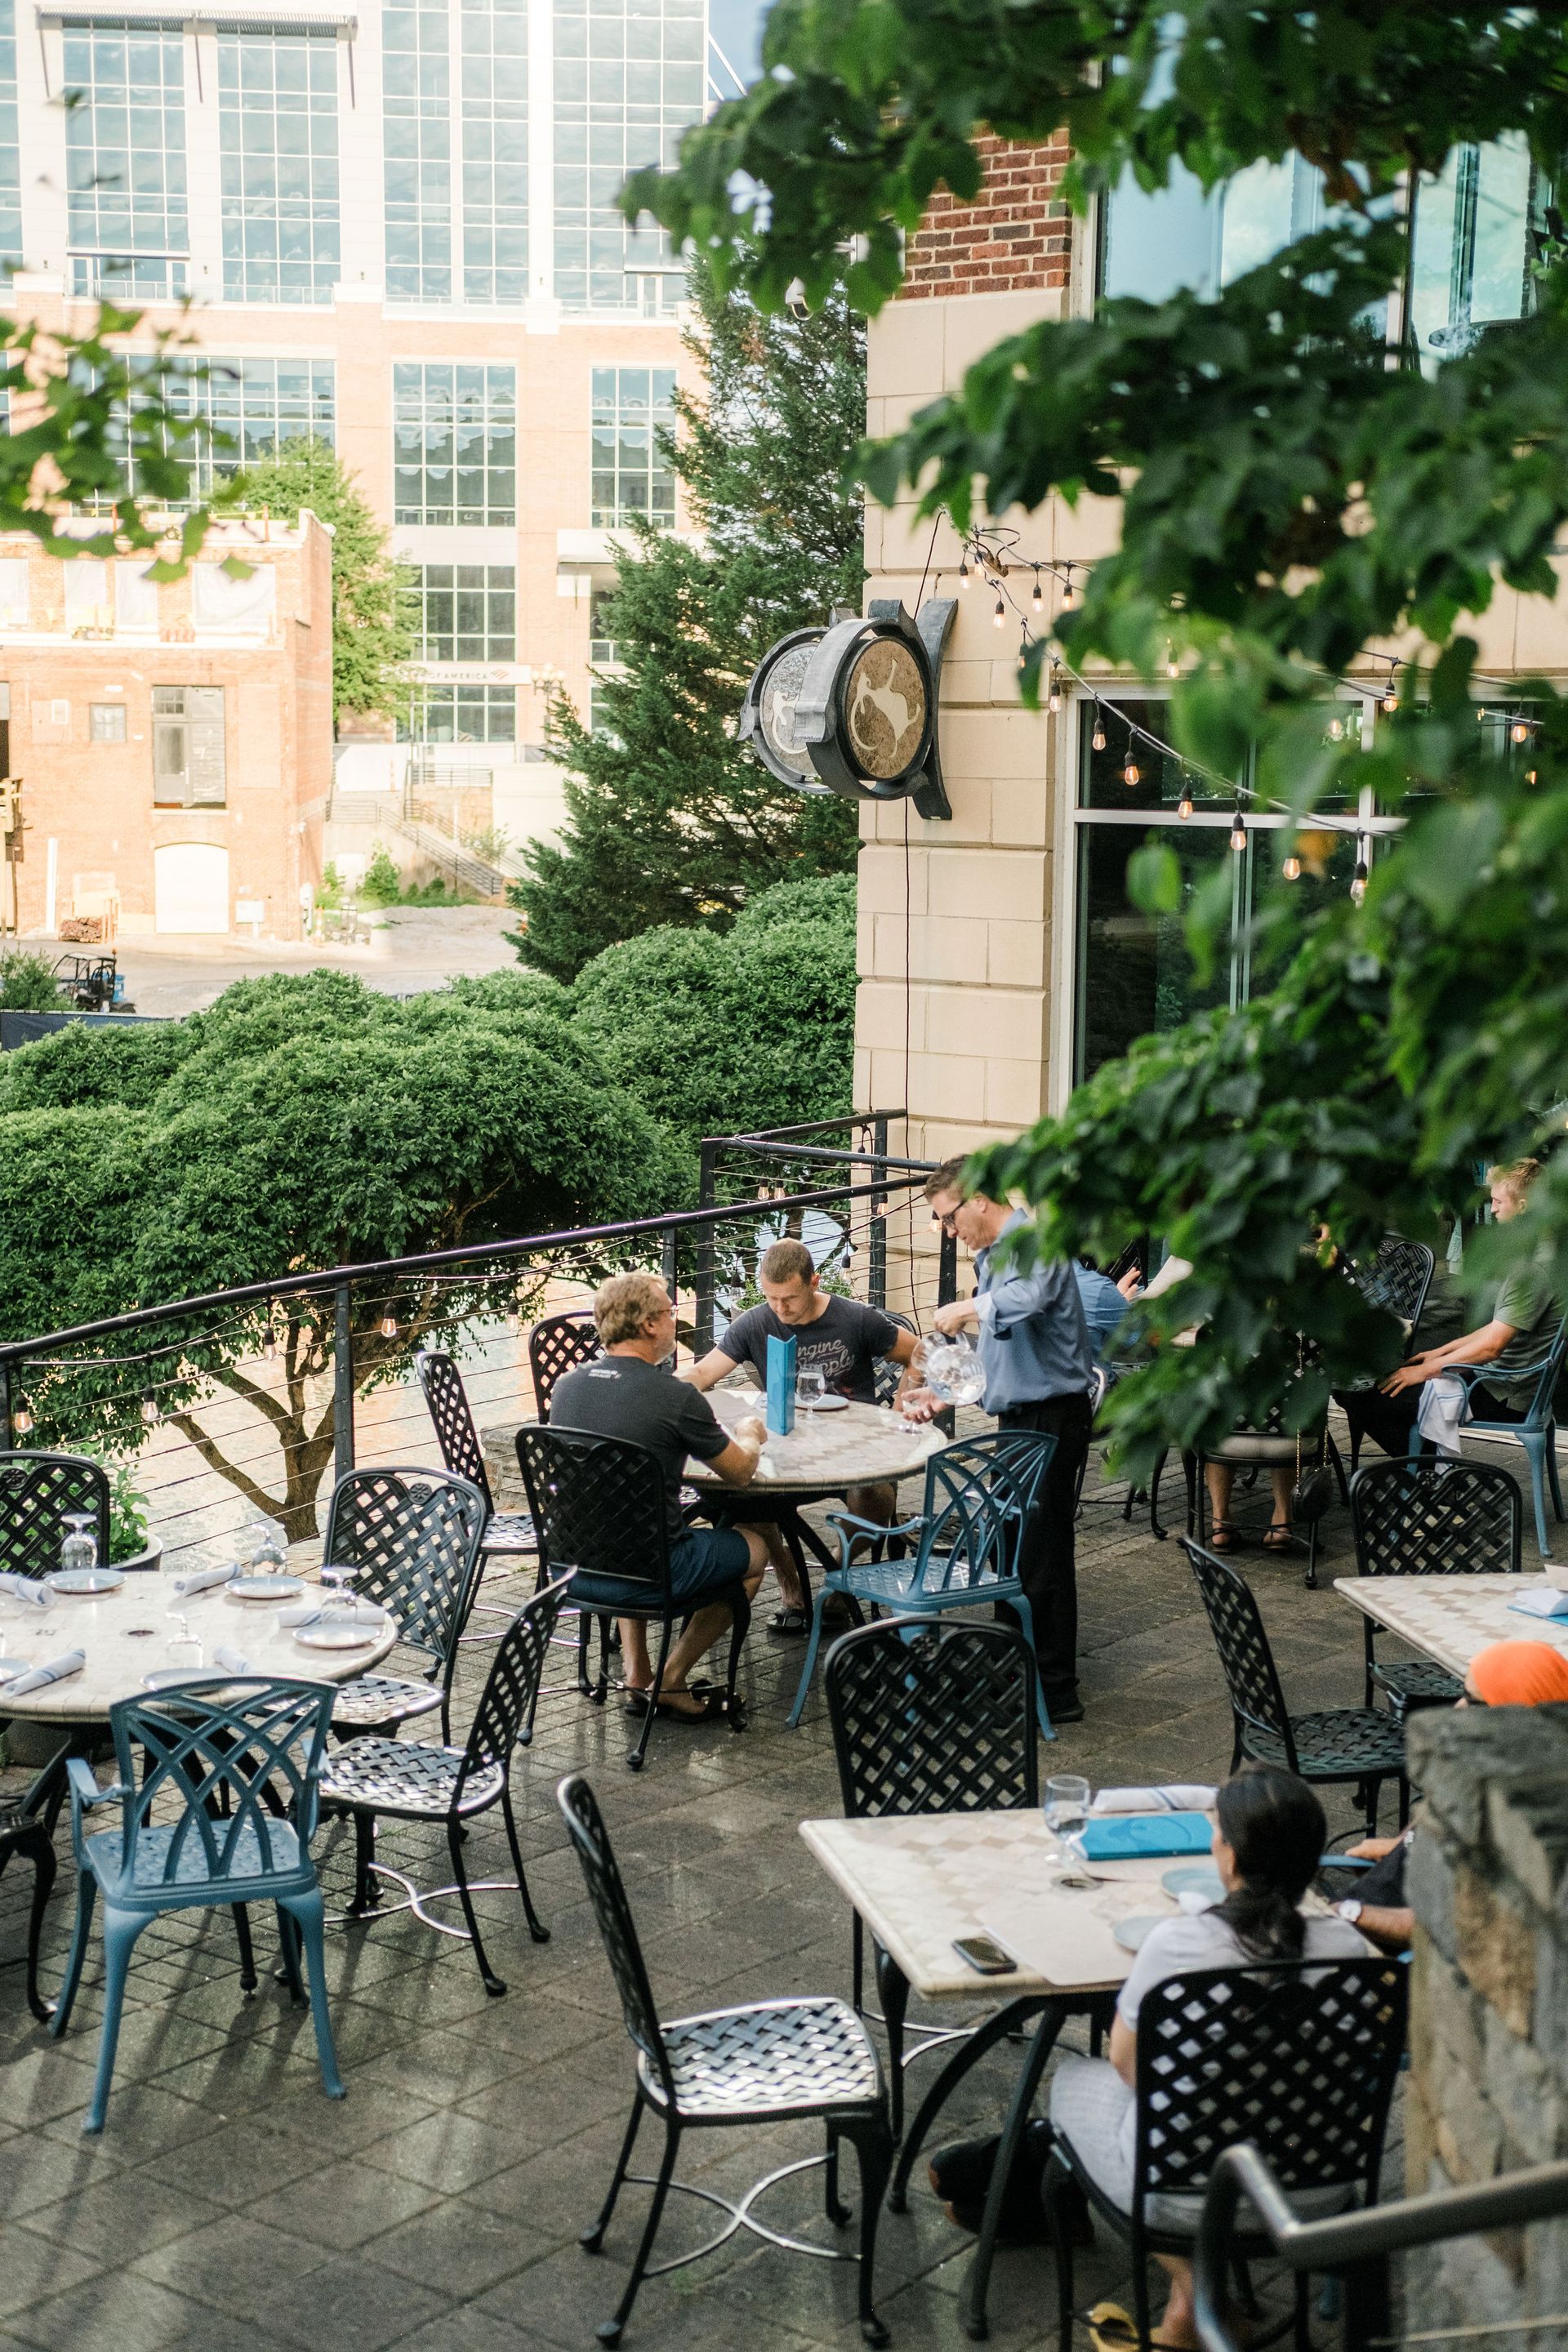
{"x":374,"y":617}
{"x":670,"y":821}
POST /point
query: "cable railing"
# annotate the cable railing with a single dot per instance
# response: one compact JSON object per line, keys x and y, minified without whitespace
{"x":1356,"y":2248}
{"x":250,"y":1401}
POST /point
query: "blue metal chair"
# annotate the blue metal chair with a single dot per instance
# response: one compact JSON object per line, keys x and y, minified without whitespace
{"x":232,"y":1769}
{"x":978,"y":1494}
{"x":1537,"y":1432}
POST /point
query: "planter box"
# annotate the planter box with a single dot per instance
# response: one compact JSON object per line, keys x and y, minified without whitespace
{"x":149,"y":1559}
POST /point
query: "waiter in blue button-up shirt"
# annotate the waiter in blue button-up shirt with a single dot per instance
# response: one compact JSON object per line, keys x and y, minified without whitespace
{"x":1033,"y":1341}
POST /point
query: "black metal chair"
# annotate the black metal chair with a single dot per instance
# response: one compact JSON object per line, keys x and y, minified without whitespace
{"x":1300,"y":2058}
{"x":1271,"y":1446}
{"x":1360,"y":1744}
{"x":415,"y":1536}
{"x":929,"y":1716}
{"x":556,"y":1345}
{"x":1429,"y":1517}
{"x":442,"y":1385}
{"x":599,"y":1506}
{"x":1397,"y":1278}
{"x":25,"y":1836}
{"x":769,"y":2063}
{"x":400,"y":1780}
{"x":886,"y":1375}
{"x":38,"y":1493}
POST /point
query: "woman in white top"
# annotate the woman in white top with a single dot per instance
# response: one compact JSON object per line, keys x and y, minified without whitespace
{"x":1269,"y":1840}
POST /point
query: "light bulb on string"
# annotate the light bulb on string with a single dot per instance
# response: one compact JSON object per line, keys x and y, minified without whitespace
{"x":1238,"y":829}
{"x":1097,"y":741}
{"x":1184,"y":805}
{"x":1000,"y":614}
{"x":1530,"y":775}
{"x":1130,"y":772}
{"x":1520,"y":730}
{"x":1358,"y":879}
{"x":1172,"y":666}
{"x":1054,"y":699}
{"x":22,"y":1421}
{"x":149,"y":1409}
{"x":1037,"y":600}
{"x":1067,"y":589}
{"x":963,"y":572}
{"x":389,"y":1327}
{"x":1024,"y":654}
{"x":1390,"y":693}
{"x":1292,"y":869}
{"x":1336,"y":731}
{"x":269,"y":1346}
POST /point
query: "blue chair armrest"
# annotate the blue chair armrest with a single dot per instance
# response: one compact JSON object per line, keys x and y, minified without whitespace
{"x":85,"y":1793}
{"x":851,"y":1527}
{"x":1347,"y":1861}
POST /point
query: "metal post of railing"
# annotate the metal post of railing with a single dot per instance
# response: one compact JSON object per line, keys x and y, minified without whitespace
{"x":947,"y":1269}
{"x":343,"y":1382}
{"x":672,"y":1265}
{"x":876,"y":1277}
{"x":703,"y":1270}
{"x":6,"y":1438}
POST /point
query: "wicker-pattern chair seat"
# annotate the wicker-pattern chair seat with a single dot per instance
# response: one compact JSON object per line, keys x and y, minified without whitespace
{"x":1338,"y":1743}
{"x":403,"y":1776}
{"x":1416,"y":1682}
{"x":154,"y":1865}
{"x":509,"y":1531}
{"x":792,"y":2055}
{"x":373,"y":1699}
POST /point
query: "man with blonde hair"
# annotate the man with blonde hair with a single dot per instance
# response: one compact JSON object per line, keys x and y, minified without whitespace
{"x":1516,"y":1334}
{"x":629,"y":1393}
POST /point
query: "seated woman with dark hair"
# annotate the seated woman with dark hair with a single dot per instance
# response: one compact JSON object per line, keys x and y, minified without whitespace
{"x":1268,"y":1843}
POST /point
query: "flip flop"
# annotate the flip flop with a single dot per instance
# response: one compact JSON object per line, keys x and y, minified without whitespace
{"x":1113,"y":2330}
{"x":1279,"y":1536}
{"x":790,"y":1624}
{"x":710,"y":1709}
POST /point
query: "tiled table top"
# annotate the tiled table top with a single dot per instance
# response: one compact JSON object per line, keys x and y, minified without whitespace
{"x":920,"y":1881}
{"x":126,"y":1635}
{"x":1449,"y":1618}
{"x":860,"y":1446}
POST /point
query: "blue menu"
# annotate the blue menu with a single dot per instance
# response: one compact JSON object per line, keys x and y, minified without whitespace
{"x":781,"y":1386}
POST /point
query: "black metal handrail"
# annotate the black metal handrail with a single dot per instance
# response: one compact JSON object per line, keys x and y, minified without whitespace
{"x":1356,"y":2246}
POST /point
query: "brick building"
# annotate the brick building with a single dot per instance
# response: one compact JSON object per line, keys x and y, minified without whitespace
{"x":174,"y":741}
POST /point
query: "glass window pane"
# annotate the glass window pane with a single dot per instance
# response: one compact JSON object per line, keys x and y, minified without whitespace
{"x":1134,"y":974}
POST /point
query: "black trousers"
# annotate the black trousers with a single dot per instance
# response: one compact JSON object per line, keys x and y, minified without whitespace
{"x":1389,"y":1420}
{"x":1047,"y":1567}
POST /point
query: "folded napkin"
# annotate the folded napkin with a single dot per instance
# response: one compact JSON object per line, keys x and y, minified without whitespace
{"x":229,"y":1661}
{"x":1541,"y":1600}
{"x":331,"y":1613}
{"x":201,"y":1580}
{"x":70,"y":1661}
{"x":1119,"y":1841}
{"x":25,"y":1587}
{"x":1175,"y":1797}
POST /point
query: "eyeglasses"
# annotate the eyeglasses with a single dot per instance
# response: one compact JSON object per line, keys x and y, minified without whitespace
{"x":945,"y":1224}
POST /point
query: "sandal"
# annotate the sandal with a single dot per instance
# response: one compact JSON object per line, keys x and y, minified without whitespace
{"x":1113,"y":2330}
{"x":1279,"y":1536}
{"x":791,"y":1624}
{"x":709,"y":1708}
{"x":1223,"y":1536}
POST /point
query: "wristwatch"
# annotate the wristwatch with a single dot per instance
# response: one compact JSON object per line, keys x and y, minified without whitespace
{"x":1351,"y":1909}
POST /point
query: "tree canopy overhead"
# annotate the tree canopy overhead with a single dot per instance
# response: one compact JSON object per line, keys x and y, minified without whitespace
{"x":669,"y":820}
{"x":1296,"y":492}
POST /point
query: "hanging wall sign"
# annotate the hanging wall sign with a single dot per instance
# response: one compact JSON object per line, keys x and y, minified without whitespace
{"x":852,"y":708}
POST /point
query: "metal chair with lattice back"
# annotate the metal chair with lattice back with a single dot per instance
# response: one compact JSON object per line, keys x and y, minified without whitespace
{"x":768,"y":2063}
{"x":599,"y":1506}
{"x":1398,"y":1279}
{"x":886,"y":1374}
{"x":557,"y":1344}
{"x":1536,"y":1429}
{"x":413,"y":1536}
{"x":404,"y":1781}
{"x":1430,"y":1518}
{"x":38,"y":1493}
{"x":1339,"y":1744}
{"x":1298,"y":2057}
{"x":928,"y":1716}
{"x":441,"y":1384}
{"x":979,"y":1493}
{"x":25,"y":1822}
{"x":221,"y":1814}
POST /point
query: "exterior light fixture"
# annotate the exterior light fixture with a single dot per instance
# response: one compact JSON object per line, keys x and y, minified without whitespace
{"x":1184,"y":805}
{"x":1358,"y":879}
{"x":1097,"y":741}
{"x":1054,"y":699}
{"x":1292,"y":869}
{"x":21,"y":1420}
{"x":1520,"y":730}
{"x":389,"y":1327}
{"x":963,"y":570}
{"x":1000,"y":614}
{"x":1336,"y":731}
{"x":1036,"y":600}
{"x":1130,"y":773}
{"x":1238,"y":829}
{"x":1172,"y":666}
{"x":149,"y":1409}
{"x":1390,"y":693}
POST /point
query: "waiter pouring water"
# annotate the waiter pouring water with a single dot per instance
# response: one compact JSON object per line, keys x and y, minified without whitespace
{"x":1032,"y":1343}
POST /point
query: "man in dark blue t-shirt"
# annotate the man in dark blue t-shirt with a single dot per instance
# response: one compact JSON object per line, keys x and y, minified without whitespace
{"x":842,"y":1339}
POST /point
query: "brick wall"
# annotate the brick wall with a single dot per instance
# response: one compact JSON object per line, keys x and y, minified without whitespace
{"x":1489,"y":2042}
{"x":1015,"y":235}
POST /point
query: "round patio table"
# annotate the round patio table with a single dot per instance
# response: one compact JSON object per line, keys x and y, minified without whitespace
{"x":126,"y":1635}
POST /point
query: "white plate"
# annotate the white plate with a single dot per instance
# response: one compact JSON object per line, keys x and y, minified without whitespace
{"x":1195,"y":1878}
{"x":337,"y":1637}
{"x":10,"y":1667}
{"x":827,"y":1404}
{"x":77,"y":1580}
{"x":1131,"y":1934}
{"x":265,"y":1587}
{"x":166,"y":1678}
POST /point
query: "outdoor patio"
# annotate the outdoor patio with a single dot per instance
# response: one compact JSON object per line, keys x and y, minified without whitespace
{"x":229,"y":2204}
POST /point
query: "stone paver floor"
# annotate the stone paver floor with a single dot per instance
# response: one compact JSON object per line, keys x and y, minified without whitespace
{"x":435,"y":2209}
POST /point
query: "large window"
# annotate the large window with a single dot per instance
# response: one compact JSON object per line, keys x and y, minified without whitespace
{"x":467,"y":613}
{"x":464,"y":714}
{"x":495,"y":151}
{"x":1477,"y":232}
{"x":125,"y":159}
{"x":259,"y":404}
{"x":631,"y":476}
{"x":629,"y":79}
{"x":278,"y":120}
{"x":416,"y":127}
{"x":454,"y":430}
{"x":189,"y":769}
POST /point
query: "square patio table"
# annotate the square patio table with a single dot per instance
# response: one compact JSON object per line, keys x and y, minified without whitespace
{"x":1451,"y":1617}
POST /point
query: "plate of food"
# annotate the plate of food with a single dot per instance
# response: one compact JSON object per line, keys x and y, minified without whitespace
{"x":76,"y":1583}
{"x":265,"y":1587}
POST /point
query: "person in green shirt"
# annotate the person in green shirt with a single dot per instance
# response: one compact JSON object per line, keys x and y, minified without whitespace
{"x":1516,"y":1335}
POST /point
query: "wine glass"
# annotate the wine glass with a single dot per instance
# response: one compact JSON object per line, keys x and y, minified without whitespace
{"x":184,"y":1648}
{"x":810,"y":1388}
{"x":79,"y":1548}
{"x":1066,"y":1816}
{"x":270,"y":1557}
{"x":338,"y":1576}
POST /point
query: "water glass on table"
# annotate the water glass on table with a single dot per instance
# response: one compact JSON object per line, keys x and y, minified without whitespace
{"x":338,"y":1577}
{"x":810,"y":1388}
{"x":1067,"y":1818}
{"x":79,"y":1548}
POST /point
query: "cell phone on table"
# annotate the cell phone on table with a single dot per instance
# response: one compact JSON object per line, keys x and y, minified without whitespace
{"x":986,"y":1959}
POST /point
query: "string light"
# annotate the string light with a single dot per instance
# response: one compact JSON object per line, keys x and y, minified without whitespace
{"x":1036,"y":600}
{"x":1067,"y":589}
{"x":1130,"y":772}
{"x":1358,"y":879}
{"x":1292,"y":869}
{"x":389,"y":1327}
{"x":269,"y":1346}
{"x":963,"y":572}
{"x":1172,"y":666}
{"x":1390,"y":693}
{"x":1336,"y":731}
{"x":1530,"y":775}
{"x":999,"y":616}
{"x":1097,"y":741}
{"x":1054,"y":699}
{"x":149,"y":1409}
{"x":1520,"y":730}
{"x":1238,"y":829}
{"x":1184,"y":805}
{"x":21,"y":1420}
{"x":1024,"y":660}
